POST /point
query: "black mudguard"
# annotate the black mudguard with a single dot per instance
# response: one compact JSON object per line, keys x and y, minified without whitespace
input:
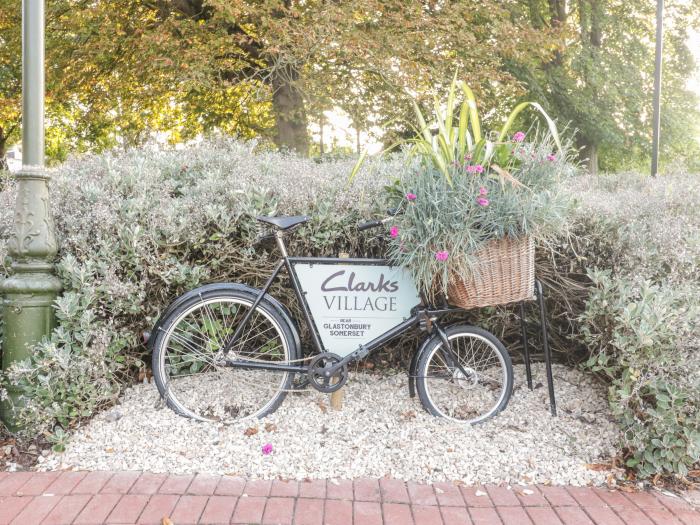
{"x":414,"y":365}
{"x":253,"y":292}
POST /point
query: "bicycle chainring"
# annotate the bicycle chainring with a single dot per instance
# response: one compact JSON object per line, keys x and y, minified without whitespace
{"x":320,"y":377}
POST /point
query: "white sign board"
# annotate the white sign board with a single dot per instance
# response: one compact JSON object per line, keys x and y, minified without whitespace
{"x":353,"y":304}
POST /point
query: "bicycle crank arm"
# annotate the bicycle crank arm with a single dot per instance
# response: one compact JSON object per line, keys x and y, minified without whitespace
{"x":255,"y":365}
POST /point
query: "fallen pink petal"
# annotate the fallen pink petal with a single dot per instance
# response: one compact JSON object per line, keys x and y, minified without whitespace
{"x":267,"y":449}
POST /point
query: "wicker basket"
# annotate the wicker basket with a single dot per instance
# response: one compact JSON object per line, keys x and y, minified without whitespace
{"x":504,"y":273}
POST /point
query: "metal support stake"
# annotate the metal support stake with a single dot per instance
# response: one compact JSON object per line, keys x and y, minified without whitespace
{"x":526,"y":347}
{"x":545,"y":345}
{"x":31,"y":288}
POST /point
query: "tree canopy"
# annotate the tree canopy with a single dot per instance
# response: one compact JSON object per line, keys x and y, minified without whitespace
{"x":119,"y":71}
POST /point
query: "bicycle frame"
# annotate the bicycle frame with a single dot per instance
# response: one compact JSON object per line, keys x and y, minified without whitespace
{"x":420,"y":314}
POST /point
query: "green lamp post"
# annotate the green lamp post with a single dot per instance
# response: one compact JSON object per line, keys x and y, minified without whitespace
{"x":30,"y":289}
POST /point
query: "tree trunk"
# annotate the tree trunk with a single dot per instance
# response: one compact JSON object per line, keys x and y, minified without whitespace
{"x":589,"y":155}
{"x":290,"y":113}
{"x":3,"y":152}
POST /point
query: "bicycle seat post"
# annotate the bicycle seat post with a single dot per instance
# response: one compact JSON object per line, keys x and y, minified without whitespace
{"x":279,"y":237}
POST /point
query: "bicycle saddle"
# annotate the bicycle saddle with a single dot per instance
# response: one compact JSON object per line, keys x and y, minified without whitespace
{"x":284,"y":222}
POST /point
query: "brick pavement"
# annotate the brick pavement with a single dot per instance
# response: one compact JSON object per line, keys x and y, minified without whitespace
{"x":92,"y":498}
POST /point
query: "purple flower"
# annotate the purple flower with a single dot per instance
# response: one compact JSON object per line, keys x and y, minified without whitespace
{"x":483,"y":191}
{"x":482,"y":201}
{"x":519,"y":136}
{"x":394,"y":232}
{"x":551,"y":157}
{"x":267,"y":449}
{"x":468,"y":156}
{"x":411,"y":196}
{"x":442,"y":255}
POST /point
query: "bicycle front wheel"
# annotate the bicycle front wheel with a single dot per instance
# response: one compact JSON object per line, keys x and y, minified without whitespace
{"x":189,"y":363}
{"x":473,"y":391}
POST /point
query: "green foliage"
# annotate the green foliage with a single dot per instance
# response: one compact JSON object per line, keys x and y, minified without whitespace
{"x":640,"y":339}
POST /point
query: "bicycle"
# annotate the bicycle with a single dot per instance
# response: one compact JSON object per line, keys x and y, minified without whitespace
{"x":224,"y":352}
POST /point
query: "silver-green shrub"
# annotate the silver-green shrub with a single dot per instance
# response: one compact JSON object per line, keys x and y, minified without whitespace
{"x":641,"y":321}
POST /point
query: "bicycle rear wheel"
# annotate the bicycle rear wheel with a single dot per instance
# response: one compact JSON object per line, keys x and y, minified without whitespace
{"x":189,"y":364}
{"x":474,"y":391}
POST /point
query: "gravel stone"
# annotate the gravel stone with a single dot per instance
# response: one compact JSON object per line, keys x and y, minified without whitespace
{"x":379,"y":432}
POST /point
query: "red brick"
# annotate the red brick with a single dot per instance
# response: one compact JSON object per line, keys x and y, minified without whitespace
{"x":98,"y":508}
{"x":367,"y":490}
{"x":557,"y":496}
{"x":613,"y":498}
{"x":484,"y":516}
{"x":188,"y":510}
{"x":662,"y":517}
{"x":121,"y":482}
{"x":128,"y":509}
{"x":158,"y":506}
{"x":397,"y":514}
{"x":314,"y":488}
{"x":448,"y":494}
{"x":176,"y":484}
{"x":421,"y":494}
{"x":644,"y":500}
{"x":308,"y":512}
{"x":65,"y":483}
{"x":341,"y":489}
{"x":455,"y":516}
{"x":536,"y":499}
{"x":573,"y":516}
{"x":514,"y":516}
{"x":543,"y":516}
{"x":249,"y":510}
{"x":426,"y":515}
{"x":633,"y":516}
{"x":337,"y":512}
{"x":603,"y":516}
{"x":10,"y":506}
{"x":259,"y":487}
{"x":148,"y":483}
{"x":203,"y":485}
{"x":37,"y":484}
{"x":367,"y":513}
{"x":66,"y":510}
{"x":36,"y":511}
{"x":287,"y":489}
{"x":394,"y":491}
{"x":502,"y":496}
{"x":230,"y":486}
{"x":689,"y":517}
{"x":585,"y":497}
{"x":219,"y":509}
{"x":92,"y":483}
{"x":11,"y":483}
{"x":279,"y":511}
{"x":472,"y":500}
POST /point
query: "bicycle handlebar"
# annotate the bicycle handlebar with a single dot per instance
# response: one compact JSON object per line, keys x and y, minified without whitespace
{"x":367,"y":225}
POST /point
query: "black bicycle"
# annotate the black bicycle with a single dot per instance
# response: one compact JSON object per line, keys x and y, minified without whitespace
{"x":227,"y":351}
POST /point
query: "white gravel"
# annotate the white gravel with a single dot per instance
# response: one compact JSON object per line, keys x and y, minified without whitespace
{"x":379,"y":432}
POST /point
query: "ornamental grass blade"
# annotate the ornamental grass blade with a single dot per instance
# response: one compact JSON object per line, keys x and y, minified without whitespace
{"x":473,"y":112}
{"x":550,"y":123}
{"x":462,"y":130}
{"x":357,"y":167}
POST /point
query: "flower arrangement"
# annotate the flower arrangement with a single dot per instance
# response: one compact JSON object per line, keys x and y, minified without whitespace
{"x":464,"y":191}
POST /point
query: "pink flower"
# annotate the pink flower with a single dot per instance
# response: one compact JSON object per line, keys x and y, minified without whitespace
{"x":483,"y":191}
{"x":482,"y":201}
{"x":479,"y":168}
{"x":267,"y":449}
{"x":411,"y":196}
{"x":442,"y":255}
{"x":471,"y":169}
{"x":519,"y":136}
{"x":551,"y":157}
{"x":468,"y":156}
{"x":394,"y":232}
